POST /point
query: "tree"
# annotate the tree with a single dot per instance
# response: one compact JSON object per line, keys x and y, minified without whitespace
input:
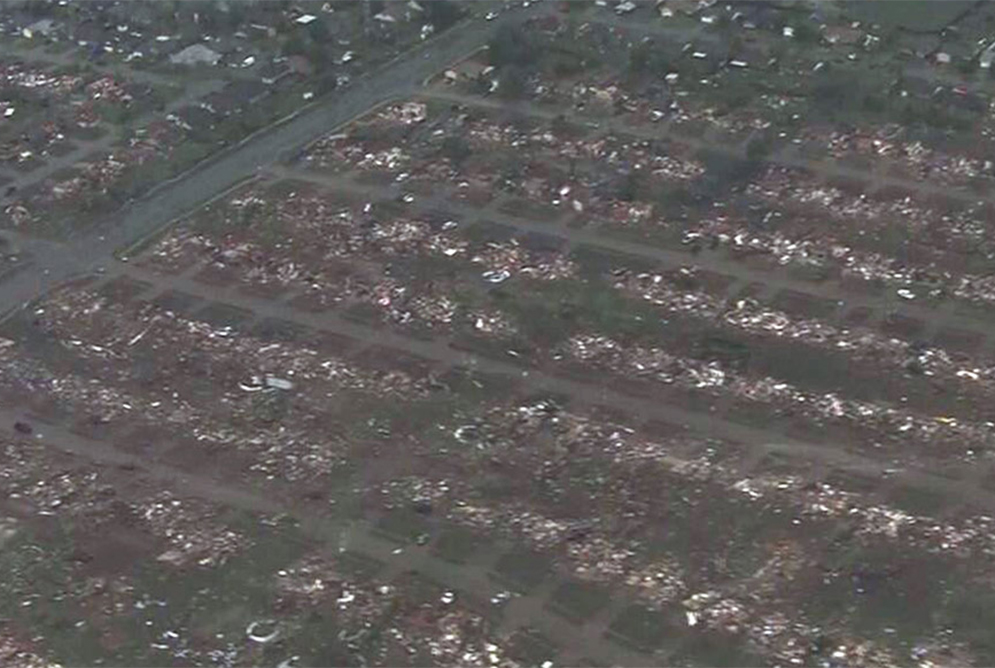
{"x":564,"y":63}
{"x":760,"y":146}
{"x":511,"y":46}
{"x":835,"y":90}
{"x":319,"y":53}
{"x":318,"y":31}
{"x":38,"y":9}
{"x":294,"y":46}
{"x":876,"y":104}
{"x":805,"y":33}
{"x":630,"y":186}
{"x":210,"y":18}
{"x":967,"y":66}
{"x":456,"y":149}
{"x":512,"y":86}
{"x":560,"y":126}
{"x":442,"y":13}
{"x":672,"y":201}
{"x":639,"y":58}
{"x":236,"y":15}
{"x":724,"y":171}
{"x":735,"y":94}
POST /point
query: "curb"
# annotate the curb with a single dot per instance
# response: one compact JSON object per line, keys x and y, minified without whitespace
{"x":25,"y":306}
{"x":125,"y":254}
{"x":9,"y":313}
{"x":454,"y":63}
{"x":369,"y":110}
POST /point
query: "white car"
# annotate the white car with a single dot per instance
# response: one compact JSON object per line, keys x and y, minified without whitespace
{"x":490,"y":16}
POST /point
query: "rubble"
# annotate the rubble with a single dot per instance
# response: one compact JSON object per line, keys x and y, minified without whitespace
{"x":730,"y":539}
{"x":753,"y":317}
{"x":406,"y":113}
{"x":891,"y":422}
{"x":277,"y":451}
{"x":748,"y":607}
{"x":190,"y":533}
{"x":18,"y":654}
{"x":17,"y":75}
{"x":886,"y":144}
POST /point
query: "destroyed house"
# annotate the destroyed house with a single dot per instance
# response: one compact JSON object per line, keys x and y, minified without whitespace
{"x":193,"y":118}
{"x":271,"y":73}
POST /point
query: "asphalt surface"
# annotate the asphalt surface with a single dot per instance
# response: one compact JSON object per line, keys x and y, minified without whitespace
{"x":51,"y":264}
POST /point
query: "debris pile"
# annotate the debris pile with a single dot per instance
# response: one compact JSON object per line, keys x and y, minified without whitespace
{"x":890,"y":422}
{"x":190,"y":531}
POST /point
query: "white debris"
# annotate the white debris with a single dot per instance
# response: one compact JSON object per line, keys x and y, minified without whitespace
{"x":496,"y":276}
{"x":279,"y":383}
{"x":262,"y":631}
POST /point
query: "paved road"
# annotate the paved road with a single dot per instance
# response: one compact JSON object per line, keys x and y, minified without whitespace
{"x":52,"y":264}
